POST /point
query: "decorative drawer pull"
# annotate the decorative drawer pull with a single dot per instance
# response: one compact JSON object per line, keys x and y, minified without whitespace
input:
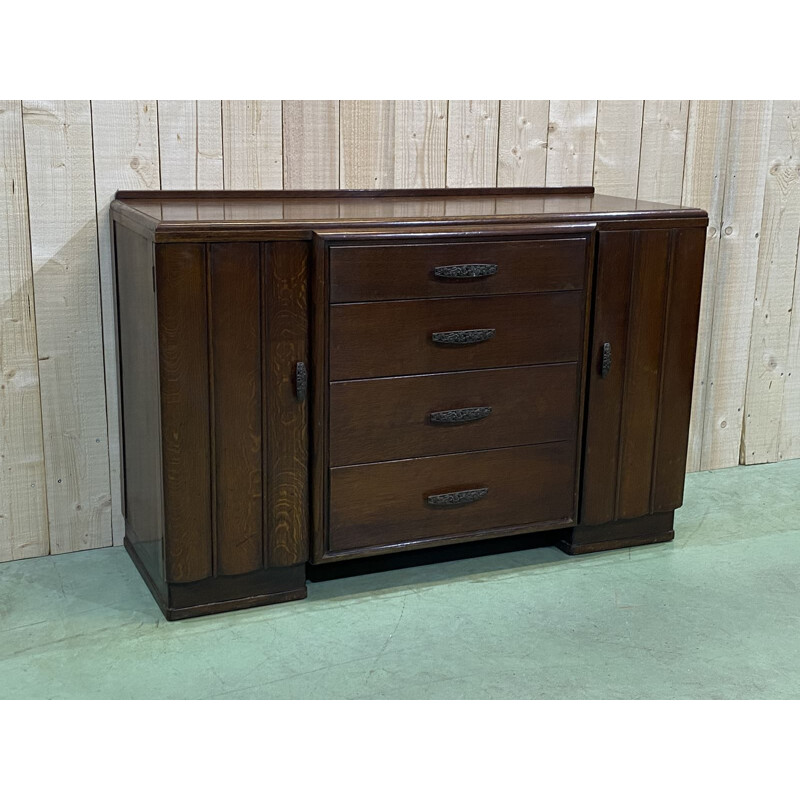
{"x":456,"y":498}
{"x":605,"y":366}
{"x":300,"y":381}
{"x":465,"y":271}
{"x":463,"y":337}
{"x":458,"y":415}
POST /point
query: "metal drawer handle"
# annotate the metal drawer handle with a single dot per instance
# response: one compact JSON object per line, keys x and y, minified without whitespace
{"x":456,"y":416}
{"x":456,"y":498}
{"x":465,"y":271}
{"x":463,"y":337}
{"x":605,"y":365}
{"x":300,"y":381}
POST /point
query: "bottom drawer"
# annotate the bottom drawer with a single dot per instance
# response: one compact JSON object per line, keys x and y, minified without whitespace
{"x":402,"y":502}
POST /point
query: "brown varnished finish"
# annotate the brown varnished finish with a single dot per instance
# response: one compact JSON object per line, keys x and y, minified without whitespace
{"x":648,"y":529}
{"x":235,"y":345}
{"x":394,"y":338}
{"x":183,"y":344}
{"x":675,"y":398}
{"x":602,"y":421}
{"x":137,"y":342}
{"x":285,"y":289}
{"x":385,"y":504}
{"x":389,"y":418}
{"x":398,"y":272}
{"x":642,"y":374}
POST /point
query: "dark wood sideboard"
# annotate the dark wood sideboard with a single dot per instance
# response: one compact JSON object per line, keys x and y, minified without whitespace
{"x":309,"y":377}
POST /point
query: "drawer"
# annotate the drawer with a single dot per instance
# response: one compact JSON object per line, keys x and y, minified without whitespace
{"x":370,"y":340}
{"x":392,"y":418}
{"x":401,"y":502}
{"x":393,"y":272}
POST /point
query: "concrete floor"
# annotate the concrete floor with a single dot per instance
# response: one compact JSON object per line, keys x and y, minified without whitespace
{"x":715,"y":614}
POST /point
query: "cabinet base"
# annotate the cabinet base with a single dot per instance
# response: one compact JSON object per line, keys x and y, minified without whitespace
{"x":224,"y":593}
{"x":649,"y":529}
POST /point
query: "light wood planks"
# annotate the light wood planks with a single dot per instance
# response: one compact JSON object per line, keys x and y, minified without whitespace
{"x":252,"y":136}
{"x":58,"y":150}
{"x":704,"y":174}
{"x":366,"y":144}
{"x":617,"y":145}
{"x":522,"y":149}
{"x":420,"y":135}
{"x":570,"y":142}
{"x":472,"y":132}
{"x":311,"y":144}
{"x":663,"y":150}
{"x":23,"y":505}
{"x":735,"y":283}
{"x":125,"y":134}
{"x":190,"y":144}
{"x":770,"y":355}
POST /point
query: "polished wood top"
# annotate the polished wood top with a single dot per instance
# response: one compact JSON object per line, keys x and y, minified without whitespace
{"x":180,"y":214}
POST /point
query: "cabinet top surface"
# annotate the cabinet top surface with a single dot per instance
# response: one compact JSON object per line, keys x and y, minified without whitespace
{"x":181,"y":212}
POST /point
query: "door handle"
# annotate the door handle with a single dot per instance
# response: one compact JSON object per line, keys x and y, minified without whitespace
{"x":300,"y":381}
{"x":605,"y":364}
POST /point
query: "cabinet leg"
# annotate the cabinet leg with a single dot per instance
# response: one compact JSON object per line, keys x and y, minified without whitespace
{"x":649,"y":529}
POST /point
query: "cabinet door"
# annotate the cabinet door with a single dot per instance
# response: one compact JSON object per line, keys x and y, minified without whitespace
{"x":233,"y":325}
{"x":647,"y":302}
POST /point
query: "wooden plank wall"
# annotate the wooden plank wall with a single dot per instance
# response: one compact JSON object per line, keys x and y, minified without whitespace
{"x":61,"y":162}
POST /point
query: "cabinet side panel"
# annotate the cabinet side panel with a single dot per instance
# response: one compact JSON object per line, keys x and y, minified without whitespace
{"x":235,"y":322}
{"x":286,"y":417}
{"x":141,"y":444}
{"x":678,"y":367}
{"x":642,"y":374}
{"x":183,"y":345}
{"x":601,"y":451}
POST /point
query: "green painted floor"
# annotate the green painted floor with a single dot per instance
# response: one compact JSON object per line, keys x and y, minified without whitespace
{"x":714,"y":614}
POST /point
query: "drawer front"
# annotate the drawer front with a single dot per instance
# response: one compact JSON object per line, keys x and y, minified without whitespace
{"x":393,"y":418}
{"x":402,"y":502}
{"x":393,"y":272}
{"x":370,"y":340}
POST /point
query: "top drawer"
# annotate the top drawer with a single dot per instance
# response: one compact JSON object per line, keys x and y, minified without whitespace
{"x":408,"y":271}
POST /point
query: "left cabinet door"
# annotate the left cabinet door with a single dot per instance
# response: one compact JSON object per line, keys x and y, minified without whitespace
{"x":232,"y":327}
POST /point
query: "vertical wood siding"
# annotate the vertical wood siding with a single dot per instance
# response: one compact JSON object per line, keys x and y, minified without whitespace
{"x":61,"y":162}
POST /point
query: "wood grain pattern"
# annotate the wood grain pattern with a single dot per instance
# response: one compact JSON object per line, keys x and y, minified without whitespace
{"x":142,"y":484}
{"x":774,"y":289}
{"x":530,"y":329}
{"x":472,"y":131}
{"x":384,"y":504}
{"x":181,"y":292}
{"x":286,"y":455}
{"x":406,"y":271}
{"x":663,"y":150}
{"x":125,"y":138}
{"x":235,"y":335}
{"x":570,"y":142}
{"x":522,"y":148}
{"x":252,"y":144}
{"x":649,"y":295}
{"x":367,"y":142}
{"x":311,"y":144}
{"x":617,"y":147}
{"x":616,"y":252}
{"x":735,"y":283}
{"x":704,"y":176}
{"x":389,"y":418}
{"x":420,"y":159}
{"x":190,"y":144}
{"x":58,"y":143}
{"x":23,"y":501}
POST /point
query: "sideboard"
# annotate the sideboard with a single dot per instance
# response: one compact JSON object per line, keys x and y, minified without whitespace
{"x":313,"y":376}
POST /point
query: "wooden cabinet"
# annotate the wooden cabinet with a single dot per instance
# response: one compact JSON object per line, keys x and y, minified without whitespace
{"x":309,"y":377}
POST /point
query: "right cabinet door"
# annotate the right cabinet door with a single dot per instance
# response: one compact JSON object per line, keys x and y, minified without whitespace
{"x":641,"y":368}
